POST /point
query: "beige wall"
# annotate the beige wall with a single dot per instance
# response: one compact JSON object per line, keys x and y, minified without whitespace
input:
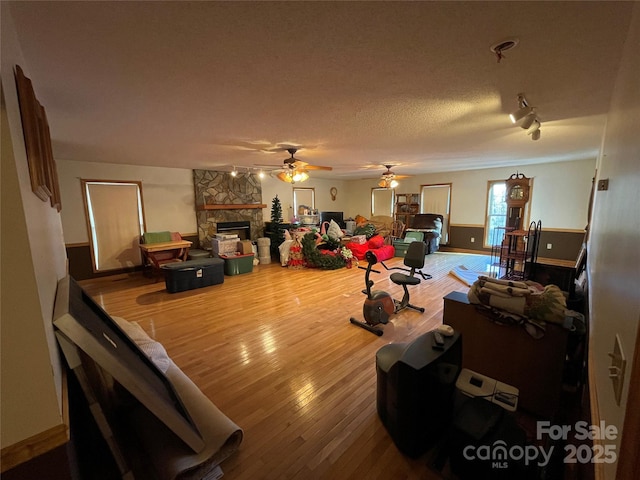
{"x":614,"y":263}
{"x":33,"y":259}
{"x":272,"y":187}
{"x":560,"y":194}
{"x":167,"y":196}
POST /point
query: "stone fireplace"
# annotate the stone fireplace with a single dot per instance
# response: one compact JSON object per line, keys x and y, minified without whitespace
{"x":228,"y":204}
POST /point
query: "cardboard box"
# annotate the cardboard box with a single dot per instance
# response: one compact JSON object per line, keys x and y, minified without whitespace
{"x":359,"y":239}
{"x":222,"y":247}
{"x":237,"y":264}
{"x":226,"y":236}
{"x":245,"y":247}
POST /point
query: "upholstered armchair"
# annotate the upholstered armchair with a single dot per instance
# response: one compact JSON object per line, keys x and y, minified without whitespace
{"x":430,"y":224}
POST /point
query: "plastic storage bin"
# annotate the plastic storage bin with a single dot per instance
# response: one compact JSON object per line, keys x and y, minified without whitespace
{"x":237,"y":264}
{"x":192,"y":274}
{"x":400,"y":247}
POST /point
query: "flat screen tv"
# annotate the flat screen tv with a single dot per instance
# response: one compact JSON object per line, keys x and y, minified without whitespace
{"x":338,"y":217}
{"x":83,"y":324}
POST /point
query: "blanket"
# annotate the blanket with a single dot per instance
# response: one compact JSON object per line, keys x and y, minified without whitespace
{"x":527,"y":302}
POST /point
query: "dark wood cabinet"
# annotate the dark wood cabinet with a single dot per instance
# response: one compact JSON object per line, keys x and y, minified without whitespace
{"x":510,"y":355}
{"x":406,"y":207}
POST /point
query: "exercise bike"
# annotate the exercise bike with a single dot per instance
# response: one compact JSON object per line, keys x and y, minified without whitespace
{"x":380,"y":305}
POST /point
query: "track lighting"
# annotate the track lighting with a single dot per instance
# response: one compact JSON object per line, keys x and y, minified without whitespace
{"x":520,"y":114}
{"x":527,"y":118}
{"x":534,"y":127}
{"x":234,"y":172}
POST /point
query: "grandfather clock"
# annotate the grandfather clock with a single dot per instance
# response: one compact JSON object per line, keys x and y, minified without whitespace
{"x":516,"y":200}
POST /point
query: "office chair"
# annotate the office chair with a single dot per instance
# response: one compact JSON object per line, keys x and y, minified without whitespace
{"x":414,"y":259}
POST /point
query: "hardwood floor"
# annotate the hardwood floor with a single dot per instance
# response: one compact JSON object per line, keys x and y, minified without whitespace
{"x":275,"y":351}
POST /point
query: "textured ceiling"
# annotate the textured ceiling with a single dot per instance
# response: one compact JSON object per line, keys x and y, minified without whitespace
{"x":413,"y":84}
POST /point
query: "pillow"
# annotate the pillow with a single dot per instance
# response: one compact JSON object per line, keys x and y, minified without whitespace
{"x":156,"y":237}
{"x":376,"y":241}
{"x":152,"y":349}
{"x":334,"y":230}
{"x":368,"y":230}
{"x":360,"y":220}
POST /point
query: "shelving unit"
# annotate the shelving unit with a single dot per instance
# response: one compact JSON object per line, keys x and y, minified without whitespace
{"x":407,"y":205}
{"x":516,"y":253}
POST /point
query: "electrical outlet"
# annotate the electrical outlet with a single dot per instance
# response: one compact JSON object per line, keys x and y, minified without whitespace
{"x":473,"y":240}
{"x":603,"y":184}
{"x":549,"y":246}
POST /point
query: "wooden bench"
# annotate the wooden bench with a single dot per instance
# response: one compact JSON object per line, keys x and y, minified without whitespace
{"x":161,"y":248}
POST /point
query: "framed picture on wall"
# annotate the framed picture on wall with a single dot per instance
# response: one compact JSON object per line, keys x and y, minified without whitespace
{"x":37,"y":138}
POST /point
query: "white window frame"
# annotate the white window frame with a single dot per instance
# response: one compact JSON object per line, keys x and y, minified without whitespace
{"x":102,"y":247}
{"x":381,"y":210}
{"x":491,"y":213}
{"x":301,"y":196}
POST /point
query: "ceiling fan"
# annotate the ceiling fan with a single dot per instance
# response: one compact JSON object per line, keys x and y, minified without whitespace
{"x":389,"y":178}
{"x":294,"y":170}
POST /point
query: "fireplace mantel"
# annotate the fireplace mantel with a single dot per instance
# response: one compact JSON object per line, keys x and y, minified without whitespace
{"x":234,"y":206}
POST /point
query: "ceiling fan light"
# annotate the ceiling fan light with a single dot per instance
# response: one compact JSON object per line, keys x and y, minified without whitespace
{"x":388,"y":183}
{"x":299,"y":176}
{"x":285,"y":177}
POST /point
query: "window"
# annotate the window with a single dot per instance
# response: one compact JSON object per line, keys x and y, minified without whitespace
{"x":382,"y":201}
{"x":303,"y":197}
{"x":116,"y":221}
{"x":437,"y":199}
{"x":496,"y":213}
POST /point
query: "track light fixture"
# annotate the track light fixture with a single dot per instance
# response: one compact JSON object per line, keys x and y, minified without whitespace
{"x":520,"y":114}
{"x":234,"y":172}
{"x":534,"y":127}
{"x":527,"y":118}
